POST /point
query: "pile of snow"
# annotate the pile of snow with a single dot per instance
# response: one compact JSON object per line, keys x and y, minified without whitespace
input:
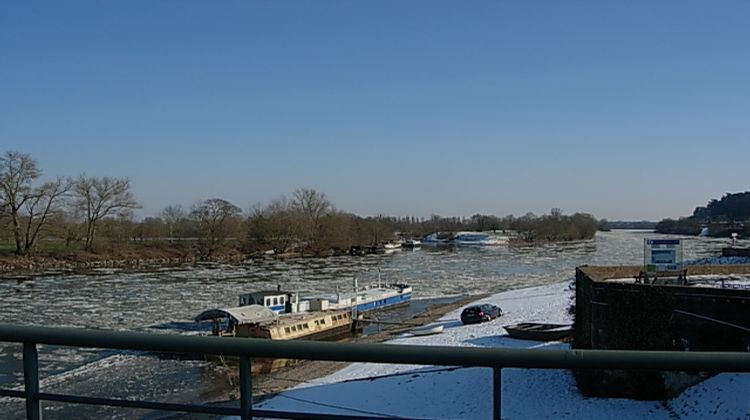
{"x":437,"y":392}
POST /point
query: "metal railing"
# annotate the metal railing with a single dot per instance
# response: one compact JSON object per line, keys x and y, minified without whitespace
{"x":494,"y":358}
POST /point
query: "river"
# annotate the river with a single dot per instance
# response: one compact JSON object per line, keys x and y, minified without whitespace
{"x":165,"y":300}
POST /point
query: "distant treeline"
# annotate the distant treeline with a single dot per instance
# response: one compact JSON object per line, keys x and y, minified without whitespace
{"x":95,"y":214}
{"x":622,"y":224}
{"x":730,"y":214}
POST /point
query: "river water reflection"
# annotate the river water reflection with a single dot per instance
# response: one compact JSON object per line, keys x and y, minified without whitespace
{"x":165,"y":300}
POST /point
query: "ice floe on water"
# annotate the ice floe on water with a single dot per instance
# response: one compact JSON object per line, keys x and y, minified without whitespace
{"x":719,"y":261}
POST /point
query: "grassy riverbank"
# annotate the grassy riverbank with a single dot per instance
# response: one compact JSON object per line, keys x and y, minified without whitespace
{"x":134,"y":256}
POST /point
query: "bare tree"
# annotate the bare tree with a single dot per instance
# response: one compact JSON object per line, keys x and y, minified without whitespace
{"x":274,"y":225}
{"x":214,"y":217}
{"x":312,"y":207}
{"x":173,"y":216}
{"x":43,"y":204}
{"x":17,"y":172}
{"x":101,"y":197}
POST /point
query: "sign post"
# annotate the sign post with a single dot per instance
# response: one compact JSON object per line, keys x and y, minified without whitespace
{"x":660,"y":255}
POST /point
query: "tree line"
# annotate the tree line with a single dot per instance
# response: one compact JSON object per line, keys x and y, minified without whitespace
{"x":97,"y":214}
{"x":729,"y":214}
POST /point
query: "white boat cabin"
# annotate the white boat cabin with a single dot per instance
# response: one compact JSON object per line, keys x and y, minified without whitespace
{"x":274,"y":300}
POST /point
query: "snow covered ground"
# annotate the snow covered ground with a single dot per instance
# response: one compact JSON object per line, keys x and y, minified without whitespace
{"x":436,"y":392}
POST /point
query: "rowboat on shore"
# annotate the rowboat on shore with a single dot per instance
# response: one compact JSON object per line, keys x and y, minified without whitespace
{"x":539,"y":331}
{"x":427,"y":330}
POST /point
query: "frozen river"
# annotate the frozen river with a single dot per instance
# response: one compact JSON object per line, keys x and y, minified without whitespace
{"x":166,"y":300}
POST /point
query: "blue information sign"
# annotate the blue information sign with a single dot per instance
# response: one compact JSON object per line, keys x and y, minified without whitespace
{"x":661,"y":255}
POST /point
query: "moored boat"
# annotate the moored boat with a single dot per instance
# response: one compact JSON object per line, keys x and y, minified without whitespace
{"x":411,"y":243}
{"x":478,"y":239}
{"x":256,"y":321}
{"x":260,"y":322}
{"x":537,"y":331}
{"x":465,"y":239}
{"x":427,"y":330}
{"x":371,"y":297}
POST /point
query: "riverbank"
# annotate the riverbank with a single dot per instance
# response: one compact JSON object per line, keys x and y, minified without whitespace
{"x":308,"y":371}
{"x":430,"y":392}
{"x":141,"y":258}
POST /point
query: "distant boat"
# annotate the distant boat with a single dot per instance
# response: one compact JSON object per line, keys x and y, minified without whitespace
{"x":539,"y":331}
{"x":478,"y":239}
{"x":411,"y":243}
{"x":438,"y":238}
{"x":465,"y":239}
{"x":392,"y":245}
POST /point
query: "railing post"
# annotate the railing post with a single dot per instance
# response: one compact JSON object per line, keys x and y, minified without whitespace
{"x":31,"y":381}
{"x":246,"y":388}
{"x":497,"y":393}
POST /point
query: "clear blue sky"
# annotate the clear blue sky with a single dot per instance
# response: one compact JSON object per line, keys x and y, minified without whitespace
{"x":626,"y":110}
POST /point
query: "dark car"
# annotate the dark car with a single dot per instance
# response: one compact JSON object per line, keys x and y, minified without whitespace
{"x":480,"y":313}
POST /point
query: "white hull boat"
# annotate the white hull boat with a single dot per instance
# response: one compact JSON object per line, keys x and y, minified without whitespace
{"x":427,"y":330}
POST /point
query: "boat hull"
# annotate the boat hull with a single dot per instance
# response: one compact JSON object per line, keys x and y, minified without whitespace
{"x":384,"y":303}
{"x":539,"y":331}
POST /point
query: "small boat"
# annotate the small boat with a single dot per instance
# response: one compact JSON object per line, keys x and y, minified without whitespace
{"x":411,"y":243}
{"x":392,"y":245}
{"x":539,"y":331}
{"x":427,"y":330}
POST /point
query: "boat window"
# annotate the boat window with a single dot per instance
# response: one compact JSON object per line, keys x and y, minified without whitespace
{"x":268,"y":301}
{"x":317,"y":322}
{"x":306,"y":326}
{"x":287,"y":330}
{"x":294,"y":328}
{"x":323,"y":321}
{"x":281,"y":300}
{"x":275,"y":301}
